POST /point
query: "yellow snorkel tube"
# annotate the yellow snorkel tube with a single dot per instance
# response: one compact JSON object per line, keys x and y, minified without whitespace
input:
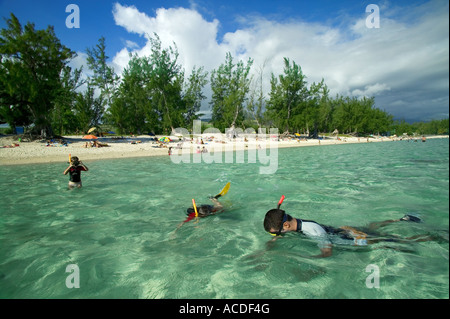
{"x":195,"y":208}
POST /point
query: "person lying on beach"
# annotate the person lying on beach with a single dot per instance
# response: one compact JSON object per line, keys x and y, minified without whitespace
{"x":74,"y":170}
{"x":11,"y":146}
{"x":277,"y":223}
{"x":98,"y":144}
{"x":95,"y":144}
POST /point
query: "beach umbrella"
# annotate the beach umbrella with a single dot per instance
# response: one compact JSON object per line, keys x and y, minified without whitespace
{"x":90,"y":137}
{"x":164,"y":139}
{"x":92,"y":129}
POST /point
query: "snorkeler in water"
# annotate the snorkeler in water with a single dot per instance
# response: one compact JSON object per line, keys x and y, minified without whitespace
{"x":207,"y":210}
{"x":204,"y":210}
{"x":277,"y":223}
{"x":74,"y":170}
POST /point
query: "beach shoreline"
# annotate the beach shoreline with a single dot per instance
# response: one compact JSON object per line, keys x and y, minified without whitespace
{"x":15,"y":152}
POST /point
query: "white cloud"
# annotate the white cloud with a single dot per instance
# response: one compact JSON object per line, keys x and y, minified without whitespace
{"x":194,"y":37}
{"x":371,"y":90}
{"x":131,"y":44}
{"x":121,"y":59}
{"x":131,"y":19}
{"x":402,"y":55}
{"x":80,"y":61}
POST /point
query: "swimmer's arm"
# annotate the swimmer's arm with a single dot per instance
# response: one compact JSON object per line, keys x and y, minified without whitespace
{"x":258,"y":254}
{"x":325,"y":252}
{"x":218,"y":207}
{"x":67,"y":169}
{"x":84,"y":166}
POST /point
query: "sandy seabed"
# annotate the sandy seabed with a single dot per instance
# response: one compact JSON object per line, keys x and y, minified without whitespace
{"x":15,"y":152}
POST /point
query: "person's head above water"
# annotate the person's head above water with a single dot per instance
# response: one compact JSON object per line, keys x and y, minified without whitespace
{"x":274,"y":221}
{"x":74,"y":160}
{"x":203,"y":210}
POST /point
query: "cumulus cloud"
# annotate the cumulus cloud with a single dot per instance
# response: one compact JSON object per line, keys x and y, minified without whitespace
{"x":194,"y":37}
{"x":404,"y":63}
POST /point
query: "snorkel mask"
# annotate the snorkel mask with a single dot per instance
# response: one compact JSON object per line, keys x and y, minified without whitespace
{"x":278,"y":233}
{"x":74,"y":161}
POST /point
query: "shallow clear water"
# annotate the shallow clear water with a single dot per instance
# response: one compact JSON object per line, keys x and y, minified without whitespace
{"x":119,"y":229}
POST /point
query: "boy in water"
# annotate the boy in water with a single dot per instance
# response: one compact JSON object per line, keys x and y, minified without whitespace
{"x":277,"y":222}
{"x":74,"y":170}
{"x":205,"y":210}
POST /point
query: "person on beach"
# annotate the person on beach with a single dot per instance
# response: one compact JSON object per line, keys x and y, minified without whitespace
{"x":277,"y":223}
{"x":74,"y":170}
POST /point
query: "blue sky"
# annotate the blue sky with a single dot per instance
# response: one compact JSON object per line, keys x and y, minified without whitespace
{"x":404,"y":63}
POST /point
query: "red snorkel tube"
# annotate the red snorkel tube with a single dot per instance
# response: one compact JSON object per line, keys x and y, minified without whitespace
{"x":280,"y":201}
{"x":278,"y":207}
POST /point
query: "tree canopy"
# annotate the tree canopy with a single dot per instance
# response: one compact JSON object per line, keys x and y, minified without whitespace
{"x":32,"y":68}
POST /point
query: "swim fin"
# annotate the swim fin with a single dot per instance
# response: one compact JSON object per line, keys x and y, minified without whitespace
{"x":223,"y":191}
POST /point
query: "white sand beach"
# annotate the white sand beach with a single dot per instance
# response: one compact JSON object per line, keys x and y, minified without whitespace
{"x":14,"y":152}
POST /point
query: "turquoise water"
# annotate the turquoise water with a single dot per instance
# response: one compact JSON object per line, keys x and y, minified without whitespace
{"x":119,"y":229}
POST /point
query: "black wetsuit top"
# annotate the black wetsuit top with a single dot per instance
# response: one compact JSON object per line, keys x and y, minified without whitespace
{"x":75,"y":174}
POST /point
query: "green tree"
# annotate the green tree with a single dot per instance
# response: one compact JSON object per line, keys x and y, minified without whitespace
{"x":150,"y":96}
{"x":166,"y":84}
{"x":288,"y":97}
{"x":32,"y":62}
{"x":325,"y":110}
{"x":230,"y":85}
{"x":193,"y":95}
{"x":359,"y":116}
{"x":63,"y":116}
{"x":104,"y":77}
{"x":130,"y":110}
{"x":256,"y":101}
{"x":88,"y":109}
{"x":315,"y":102}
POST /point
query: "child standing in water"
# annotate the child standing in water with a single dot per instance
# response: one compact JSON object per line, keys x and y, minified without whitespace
{"x":74,"y":170}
